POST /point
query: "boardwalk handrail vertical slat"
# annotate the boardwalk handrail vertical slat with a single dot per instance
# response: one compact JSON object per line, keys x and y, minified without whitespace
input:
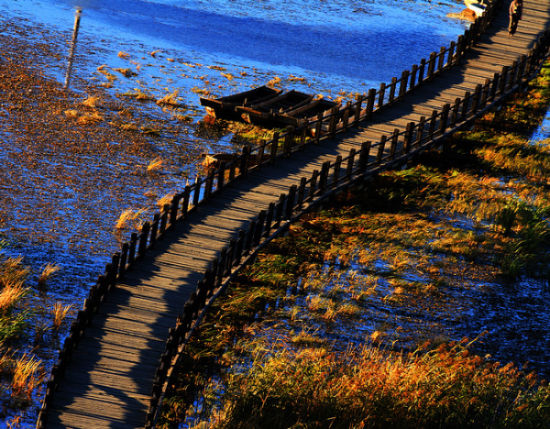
{"x":381,"y":94}
{"x":414,"y":71}
{"x":381,"y":147}
{"x":274,"y":146}
{"x":370,"y":103}
{"x":393,"y":84}
{"x":350,"y":165}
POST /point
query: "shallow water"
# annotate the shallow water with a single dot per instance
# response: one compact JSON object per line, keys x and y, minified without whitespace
{"x":334,"y":48}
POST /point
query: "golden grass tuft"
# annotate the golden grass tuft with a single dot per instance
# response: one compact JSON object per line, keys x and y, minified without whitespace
{"x":91,"y":102}
{"x":166,"y":200}
{"x":90,"y":118}
{"x":26,"y":377}
{"x":60,"y":312}
{"x":48,"y":271}
{"x":129,"y":216}
{"x":10,"y":295}
{"x":71,"y":114}
{"x":124,"y":55}
{"x":155,"y":165}
{"x":170,"y":99}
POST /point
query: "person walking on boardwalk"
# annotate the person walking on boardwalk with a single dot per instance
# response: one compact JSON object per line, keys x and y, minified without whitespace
{"x":514,"y":12}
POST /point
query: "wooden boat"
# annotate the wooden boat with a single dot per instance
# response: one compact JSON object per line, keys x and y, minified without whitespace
{"x":268,"y":113}
{"x":225,"y":107}
{"x":477,"y":6}
{"x":308,"y":112}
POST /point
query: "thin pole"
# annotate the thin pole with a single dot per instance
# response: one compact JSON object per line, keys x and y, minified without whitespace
{"x":73,"y":47}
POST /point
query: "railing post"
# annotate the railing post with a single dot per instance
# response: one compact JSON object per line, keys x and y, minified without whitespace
{"x":163,"y":218}
{"x":301,"y":192}
{"x":454,"y":114}
{"x":144,"y":235}
{"x":408,"y":137}
{"x":154,"y":229}
{"x":459,"y":49}
{"x":381,"y":147}
{"x":444,"y":118}
{"x":421,"y":69}
{"x":132,"y":248}
{"x":289,"y":138}
{"x":290,"y":200}
{"x":245,"y":161}
{"x":260,"y":226}
{"x":431,"y":65}
{"x":269,"y":219}
{"x":420,"y":131}
{"x":197,"y":191}
{"x":441,"y":59}
{"x":208,"y":185}
{"x":450,"y":55}
{"x":174,"y":209}
{"x":318,"y":127}
{"x":351,"y":160}
{"x":221,"y":175}
{"x":345,"y":116}
{"x":370,"y":103}
{"x":364,"y":155}
{"x":465,"y":106}
{"x":476,"y":98}
{"x":313,"y":183}
{"x":494,"y":86}
{"x":337,"y":167}
{"x":433,"y":120}
{"x":280,"y":209}
{"x":513,"y":71}
{"x":123,"y":260}
{"x":358,"y":106}
{"x":274,"y":146}
{"x":503,"y":80}
{"x":404,"y":83}
{"x":393,"y":84}
{"x":333,"y":121}
{"x":414,"y":71}
{"x":323,"y":177}
{"x":381,"y":94}
{"x":485,"y":92}
{"x":394,"y":140}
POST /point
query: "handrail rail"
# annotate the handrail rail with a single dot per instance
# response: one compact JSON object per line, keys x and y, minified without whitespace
{"x":192,"y":196}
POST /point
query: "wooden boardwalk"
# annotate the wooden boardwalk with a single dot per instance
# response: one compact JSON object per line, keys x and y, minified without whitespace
{"x":108,"y":381}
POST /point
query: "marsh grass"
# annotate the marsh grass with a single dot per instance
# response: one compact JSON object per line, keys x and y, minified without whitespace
{"x":367,"y":263}
{"x":59,"y":313}
{"x":443,"y":387}
{"x":26,"y":377}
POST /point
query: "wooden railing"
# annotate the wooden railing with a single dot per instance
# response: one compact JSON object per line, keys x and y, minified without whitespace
{"x":400,"y":145}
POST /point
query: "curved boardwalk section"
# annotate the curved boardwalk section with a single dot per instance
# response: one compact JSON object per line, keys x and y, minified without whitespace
{"x":114,"y":356}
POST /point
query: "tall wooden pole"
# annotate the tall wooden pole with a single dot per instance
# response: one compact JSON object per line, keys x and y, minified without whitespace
{"x":73,"y":48}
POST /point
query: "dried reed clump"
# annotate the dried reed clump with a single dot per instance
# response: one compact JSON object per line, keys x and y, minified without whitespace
{"x":71,"y":114}
{"x":170,"y":99}
{"x":90,"y":118}
{"x":10,"y":295}
{"x":445,"y":387}
{"x":166,"y":200}
{"x":126,"y":72}
{"x":60,"y":312}
{"x":155,"y":165}
{"x":47,"y":272}
{"x":27,"y":375}
{"x":124,"y":55}
{"x":91,"y":101}
{"x":128,"y":217}
{"x":138,"y":94}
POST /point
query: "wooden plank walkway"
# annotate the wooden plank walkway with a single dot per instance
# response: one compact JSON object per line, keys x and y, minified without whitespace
{"x":108,"y":382}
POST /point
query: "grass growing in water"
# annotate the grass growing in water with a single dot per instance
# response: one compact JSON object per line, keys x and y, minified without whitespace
{"x":307,"y":336}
